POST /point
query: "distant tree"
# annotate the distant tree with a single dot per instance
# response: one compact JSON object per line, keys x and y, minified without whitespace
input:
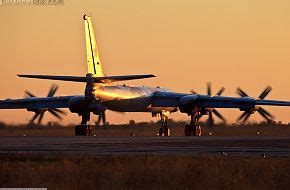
{"x":132,"y":122}
{"x":2,"y":125}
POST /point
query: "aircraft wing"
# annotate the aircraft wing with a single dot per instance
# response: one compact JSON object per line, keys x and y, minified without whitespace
{"x":36,"y":103}
{"x":106,"y":79}
{"x":272,"y":103}
{"x":171,"y":99}
{"x":237,"y":102}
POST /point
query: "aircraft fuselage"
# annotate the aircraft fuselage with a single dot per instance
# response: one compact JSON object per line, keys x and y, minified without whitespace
{"x":129,"y":98}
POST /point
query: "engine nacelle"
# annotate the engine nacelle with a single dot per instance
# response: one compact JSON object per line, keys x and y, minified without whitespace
{"x":80,"y":104}
{"x":251,"y":110}
{"x":187,"y":103}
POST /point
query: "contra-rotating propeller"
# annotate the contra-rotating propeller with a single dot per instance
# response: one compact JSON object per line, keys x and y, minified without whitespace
{"x":39,"y":113}
{"x":214,"y":111}
{"x":265,"y":114}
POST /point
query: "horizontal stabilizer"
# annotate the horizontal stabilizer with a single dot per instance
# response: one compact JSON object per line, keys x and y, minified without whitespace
{"x":107,"y":79}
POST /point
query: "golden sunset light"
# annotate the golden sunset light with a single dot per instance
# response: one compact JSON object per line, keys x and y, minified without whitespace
{"x":184,"y":43}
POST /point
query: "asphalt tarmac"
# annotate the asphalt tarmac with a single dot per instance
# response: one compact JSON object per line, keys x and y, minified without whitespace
{"x":246,"y":146}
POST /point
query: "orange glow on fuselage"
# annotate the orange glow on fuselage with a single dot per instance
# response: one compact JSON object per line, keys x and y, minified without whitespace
{"x":121,"y":92}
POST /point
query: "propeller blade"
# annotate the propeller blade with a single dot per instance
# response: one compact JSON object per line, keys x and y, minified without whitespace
{"x":208,"y":88}
{"x":241,"y":92}
{"x":265,"y":92}
{"x":55,"y":114}
{"x":219,"y":115}
{"x":265,"y":114}
{"x":34,"y":117}
{"x":40,"y":118}
{"x":220,"y":91}
{"x":246,"y":118}
{"x":242,"y":116}
{"x":29,"y":94}
{"x":59,"y":111}
{"x":52,"y":90}
{"x":193,"y":92}
{"x":210,"y":119}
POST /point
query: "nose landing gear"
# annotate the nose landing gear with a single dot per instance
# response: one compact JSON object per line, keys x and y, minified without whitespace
{"x":164,"y":130}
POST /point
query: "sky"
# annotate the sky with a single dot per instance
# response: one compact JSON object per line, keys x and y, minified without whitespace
{"x":185,"y":43}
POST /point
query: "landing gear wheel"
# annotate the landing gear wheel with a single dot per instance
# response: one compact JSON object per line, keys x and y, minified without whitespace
{"x":164,"y":132}
{"x":198,"y":131}
{"x":89,"y":131}
{"x":167,"y":132}
{"x":83,"y":130}
{"x":193,"y":129}
{"x":80,"y":130}
{"x":187,"y":130}
{"x":160,"y":133}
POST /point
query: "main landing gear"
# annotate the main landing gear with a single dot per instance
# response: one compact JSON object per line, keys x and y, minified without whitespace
{"x":84,"y":129}
{"x":193,"y":129}
{"x":164,"y":130}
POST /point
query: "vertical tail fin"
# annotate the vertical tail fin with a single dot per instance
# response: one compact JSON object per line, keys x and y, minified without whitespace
{"x":93,"y":58}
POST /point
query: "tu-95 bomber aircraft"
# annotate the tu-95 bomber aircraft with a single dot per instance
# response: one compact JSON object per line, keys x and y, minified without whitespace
{"x":100,"y":95}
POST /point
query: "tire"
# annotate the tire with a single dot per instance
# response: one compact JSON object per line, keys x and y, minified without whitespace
{"x":81,"y":130}
{"x":160,"y":133}
{"x":198,"y":131}
{"x":78,"y":131}
{"x":193,"y":130}
{"x":167,"y":132}
{"x":187,"y":130}
{"x":89,"y":131}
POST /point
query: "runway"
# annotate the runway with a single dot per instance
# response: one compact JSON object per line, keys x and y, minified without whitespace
{"x":248,"y":146}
